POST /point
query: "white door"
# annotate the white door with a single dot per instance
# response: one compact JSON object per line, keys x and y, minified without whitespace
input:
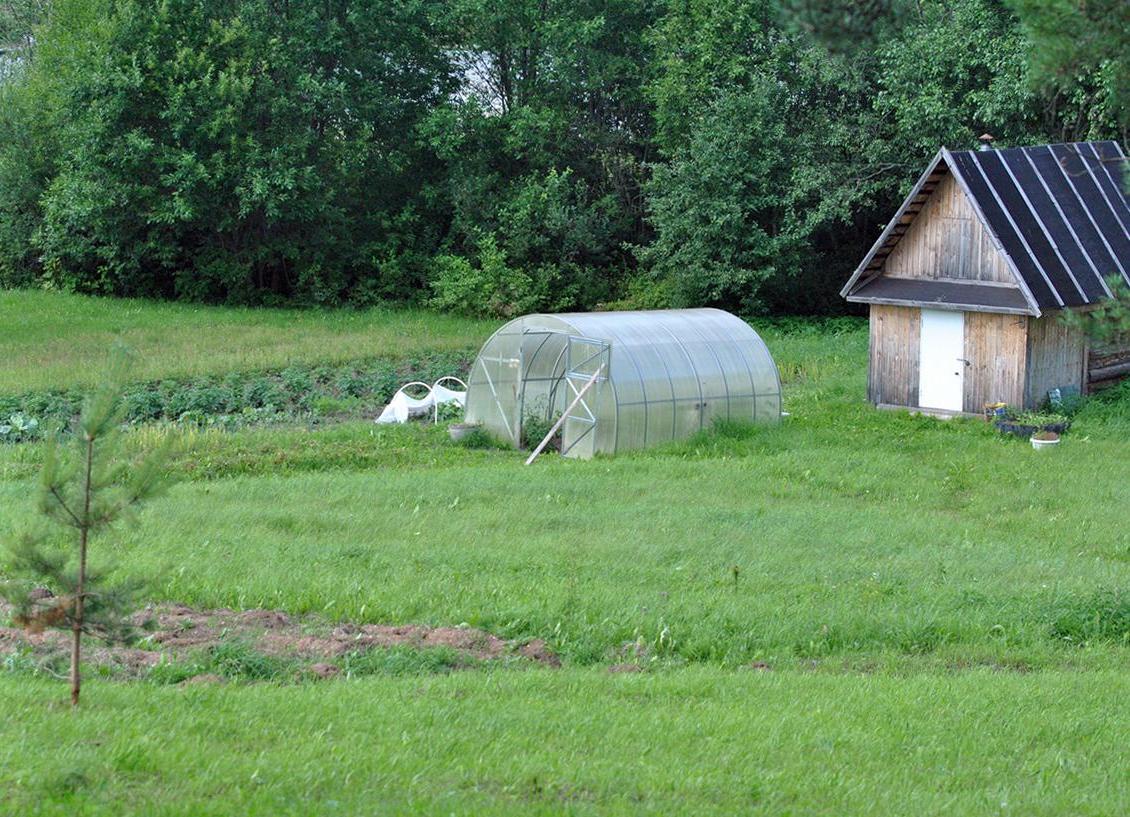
{"x":941,"y":360}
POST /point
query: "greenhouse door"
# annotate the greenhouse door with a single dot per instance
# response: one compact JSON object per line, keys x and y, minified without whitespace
{"x":500,"y":373}
{"x":584,"y":358}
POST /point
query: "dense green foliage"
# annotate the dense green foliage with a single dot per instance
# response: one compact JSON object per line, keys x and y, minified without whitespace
{"x":493,"y":159}
{"x":1107,"y":326}
{"x":1080,"y":52}
{"x":222,"y":150}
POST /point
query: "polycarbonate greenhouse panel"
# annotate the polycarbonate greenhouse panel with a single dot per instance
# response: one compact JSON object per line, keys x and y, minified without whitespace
{"x":660,"y":375}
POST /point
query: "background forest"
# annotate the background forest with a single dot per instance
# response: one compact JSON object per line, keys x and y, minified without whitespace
{"x":494,"y":158}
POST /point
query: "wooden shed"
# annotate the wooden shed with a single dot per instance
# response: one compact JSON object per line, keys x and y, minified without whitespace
{"x":968,"y":282}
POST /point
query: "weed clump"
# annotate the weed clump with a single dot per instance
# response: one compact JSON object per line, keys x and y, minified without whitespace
{"x":1101,"y":616}
{"x":229,"y":660}
{"x":405,"y":661}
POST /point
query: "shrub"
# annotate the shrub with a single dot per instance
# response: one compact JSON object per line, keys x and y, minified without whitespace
{"x":386,"y":379}
{"x":208,"y":176}
{"x":143,"y":403}
{"x":480,"y":438}
{"x":534,"y":429}
{"x":352,"y":383}
{"x":1100,"y":616}
{"x":492,"y":288}
{"x":449,"y":413}
{"x":298,"y":381}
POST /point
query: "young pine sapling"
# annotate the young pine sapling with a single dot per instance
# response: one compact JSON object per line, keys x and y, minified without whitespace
{"x":82,"y":495}
{"x":1107,"y":325}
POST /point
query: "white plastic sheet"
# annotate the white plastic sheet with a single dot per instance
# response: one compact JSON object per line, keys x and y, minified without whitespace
{"x":403,"y":406}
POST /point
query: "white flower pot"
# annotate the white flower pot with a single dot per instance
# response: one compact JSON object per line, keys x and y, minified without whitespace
{"x":1038,"y":444}
{"x":458,"y":431}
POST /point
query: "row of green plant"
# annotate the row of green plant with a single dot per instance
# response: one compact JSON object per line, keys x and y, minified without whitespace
{"x":240,"y":399}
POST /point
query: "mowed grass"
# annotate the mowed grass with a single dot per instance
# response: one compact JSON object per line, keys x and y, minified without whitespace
{"x":695,"y":742}
{"x":892,"y":535}
{"x":51,"y":340}
{"x":856,"y":612}
{"x":845,"y":534}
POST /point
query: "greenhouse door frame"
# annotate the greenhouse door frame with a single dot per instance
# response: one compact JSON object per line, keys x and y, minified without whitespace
{"x":524,"y":379}
{"x":585,"y":358}
{"x":510,"y":420}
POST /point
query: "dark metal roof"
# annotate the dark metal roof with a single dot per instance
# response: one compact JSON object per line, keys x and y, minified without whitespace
{"x":926,"y":292}
{"x":1058,"y":213}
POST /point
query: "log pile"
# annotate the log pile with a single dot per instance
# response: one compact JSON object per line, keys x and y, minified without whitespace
{"x":1107,"y":367}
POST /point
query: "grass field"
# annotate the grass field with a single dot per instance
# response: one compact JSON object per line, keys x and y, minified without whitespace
{"x":51,"y":340}
{"x":845,"y":542}
{"x":940,"y":617}
{"x":698,"y":741}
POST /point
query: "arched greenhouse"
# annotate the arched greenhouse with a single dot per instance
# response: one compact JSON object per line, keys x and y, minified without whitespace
{"x":655,"y":376}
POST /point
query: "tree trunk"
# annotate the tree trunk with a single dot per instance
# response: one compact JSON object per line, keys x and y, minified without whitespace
{"x":84,"y":532}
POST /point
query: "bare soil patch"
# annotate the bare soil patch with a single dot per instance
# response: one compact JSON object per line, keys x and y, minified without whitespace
{"x":616,"y":669}
{"x":169,"y":632}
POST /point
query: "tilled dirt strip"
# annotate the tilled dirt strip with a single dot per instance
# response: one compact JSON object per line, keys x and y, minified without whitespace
{"x":174,"y":630}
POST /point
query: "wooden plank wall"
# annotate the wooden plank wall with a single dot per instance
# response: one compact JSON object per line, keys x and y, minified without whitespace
{"x":1055,"y":357}
{"x":893,"y":369}
{"x":947,"y":241}
{"x":996,"y":347}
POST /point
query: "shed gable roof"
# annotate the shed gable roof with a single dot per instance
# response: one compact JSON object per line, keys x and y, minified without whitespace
{"x":1058,"y":214}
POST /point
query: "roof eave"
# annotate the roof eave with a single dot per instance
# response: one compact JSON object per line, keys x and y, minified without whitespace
{"x":914,"y":191}
{"x":956,"y":307}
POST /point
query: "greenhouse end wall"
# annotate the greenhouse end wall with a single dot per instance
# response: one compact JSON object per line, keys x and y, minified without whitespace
{"x":657,"y":376}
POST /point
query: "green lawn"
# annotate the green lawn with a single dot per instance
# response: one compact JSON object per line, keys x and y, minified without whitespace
{"x":944,"y":615}
{"x":51,"y":340}
{"x":888,"y":534}
{"x":695,"y":742}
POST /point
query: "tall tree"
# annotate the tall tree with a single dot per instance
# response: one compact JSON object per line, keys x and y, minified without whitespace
{"x":1071,"y":41}
{"x":547,"y":139}
{"x":762,"y":130}
{"x":239,"y":149}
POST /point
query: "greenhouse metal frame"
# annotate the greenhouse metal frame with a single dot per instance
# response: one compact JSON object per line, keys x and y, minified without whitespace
{"x":655,"y":376}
